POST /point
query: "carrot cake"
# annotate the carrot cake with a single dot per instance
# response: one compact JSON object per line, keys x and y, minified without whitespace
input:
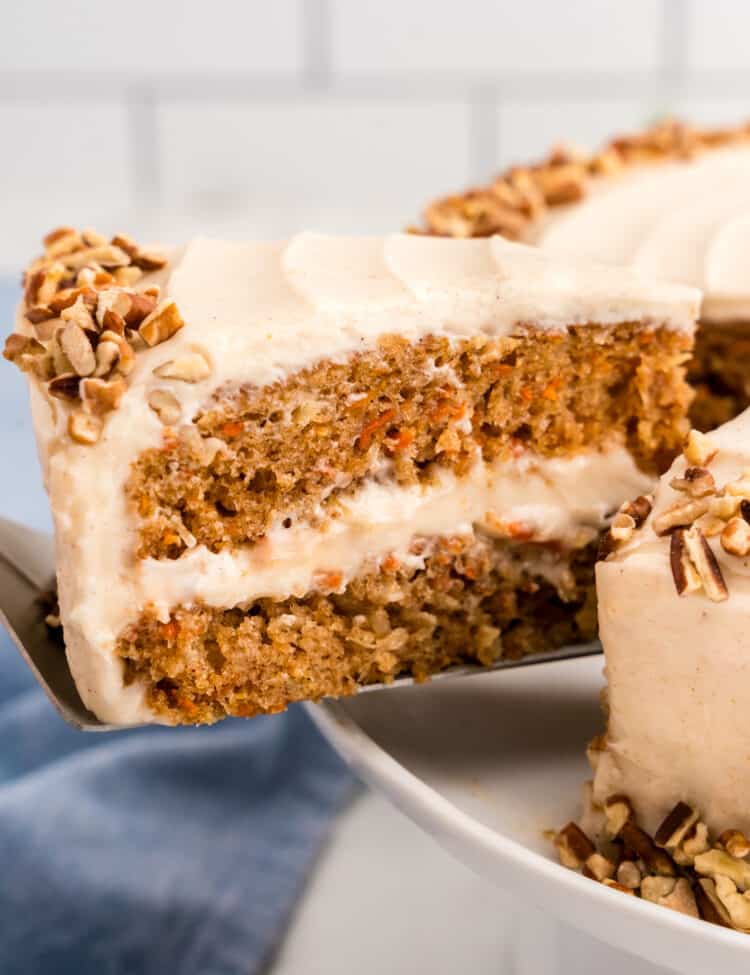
{"x":668,"y":814}
{"x":283,"y":471}
{"x":673,"y":201}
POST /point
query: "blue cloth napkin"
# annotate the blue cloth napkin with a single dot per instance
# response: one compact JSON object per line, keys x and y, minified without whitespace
{"x":154,"y":851}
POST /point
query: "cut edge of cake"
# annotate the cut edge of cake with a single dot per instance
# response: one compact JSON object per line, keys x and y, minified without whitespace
{"x":281,"y":471}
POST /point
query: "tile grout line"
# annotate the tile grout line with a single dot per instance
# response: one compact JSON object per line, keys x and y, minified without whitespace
{"x":317,"y":29}
{"x":530,"y":87}
{"x":483,"y":107}
{"x":145,"y":179}
{"x":674,"y":32}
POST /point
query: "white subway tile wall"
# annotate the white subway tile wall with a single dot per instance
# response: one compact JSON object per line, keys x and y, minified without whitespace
{"x":717,"y":35}
{"x":527,"y":129}
{"x":156,"y":39}
{"x":258,"y":117}
{"x":480,"y":38}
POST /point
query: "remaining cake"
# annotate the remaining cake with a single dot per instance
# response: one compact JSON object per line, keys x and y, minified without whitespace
{"x":673,"y":201}
{"x":671,"y":794}
{"x":283,"y":471}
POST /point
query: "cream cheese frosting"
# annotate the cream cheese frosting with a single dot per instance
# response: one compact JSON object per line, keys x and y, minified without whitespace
{"x":261,"y":311}
{"x":686,"y":221}
{"x":678,"y":669}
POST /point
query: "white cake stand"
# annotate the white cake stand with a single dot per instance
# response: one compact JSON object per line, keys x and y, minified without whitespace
{"x":487,"y":764}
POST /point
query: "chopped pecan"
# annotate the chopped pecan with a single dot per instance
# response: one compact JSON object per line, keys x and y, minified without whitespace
{"x":101,"y":396}
{"x":62,"y":241}
{"x":704,"y":560}
{"x":737,"y":904}
{"x":192,"y":367}
{"x":17,"y":345}
{"x":107,"y":357}
{"x":698,"y":482}
{"x":657,"y":861}
{"x":674,"y":827}
{"x":617,"y":811}
{"x":735,"y":843}
{"x":622,"y":527}
{"x":710,"y":908}
{"x":161,"y":324}
{"x":77,"y":347}
{"x":639,"y":509}
{"x":165,"y":405}
{"x":599,"y":866}
{"x":717,"y":863}
{"x":105,"y":255}
{"x":679,"y":515}
{"x":699,"y":449}
{"x":654,"y":888}
{"x":573,"y":846}
{"x":684,"y":573}
{"x":84,"y":428}
{"x":65,"y":386}
{"x":629,"y":874}
{"x":735,"y":538}
{"x":681,"y":898}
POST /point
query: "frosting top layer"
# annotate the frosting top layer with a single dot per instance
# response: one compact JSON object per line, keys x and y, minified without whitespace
{"x":685,"y":221}
{"x":266,"y":309}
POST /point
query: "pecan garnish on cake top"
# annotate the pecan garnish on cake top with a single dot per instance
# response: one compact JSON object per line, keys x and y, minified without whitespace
{"x":512,"y":204}
{"x":87,"y":322}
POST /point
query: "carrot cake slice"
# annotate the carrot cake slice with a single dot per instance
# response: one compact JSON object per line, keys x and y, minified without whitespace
{"x":280,"y":471}
{"x":668,"y":814}
{"x":673,"y":201}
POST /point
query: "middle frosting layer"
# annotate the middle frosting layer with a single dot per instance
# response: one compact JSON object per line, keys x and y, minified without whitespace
{"x":530,"y":498}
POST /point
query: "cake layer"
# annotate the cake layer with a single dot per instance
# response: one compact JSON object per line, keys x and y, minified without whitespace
{"x":719,"y":371}
{"x":404,"y":411}
{"x":455,"y":598}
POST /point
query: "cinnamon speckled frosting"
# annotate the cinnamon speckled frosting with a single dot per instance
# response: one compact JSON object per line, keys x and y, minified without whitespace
{"x":685,"y":220}
{"x":678,"y":665}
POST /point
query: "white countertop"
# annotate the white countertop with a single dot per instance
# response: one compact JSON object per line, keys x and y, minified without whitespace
{"x":385,"y":898}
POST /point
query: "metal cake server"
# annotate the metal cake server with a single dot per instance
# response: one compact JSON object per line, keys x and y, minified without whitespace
{"x":27,"y":574}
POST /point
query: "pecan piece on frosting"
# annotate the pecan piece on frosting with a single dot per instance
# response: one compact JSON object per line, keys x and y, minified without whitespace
{"x":735,"y":538}
{"x":165,"y":405}
{"x":698,"y":482}
{"x":84,"y":428}
{"x":101,"y":396}
{"x":78,"y":348}
{"x":679,"y":515}
{"x":163,"y":322}
{"x":639,"y":508}
{"x":189,"y":368}
{"x":702,"y":556}
{"x":699,"y":449}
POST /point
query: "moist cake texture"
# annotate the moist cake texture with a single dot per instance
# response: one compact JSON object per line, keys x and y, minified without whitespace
{"x":672,"y":201}
{"x":674,"y":599}
{"x":281,"y":471}
{"x":298,"y":447}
